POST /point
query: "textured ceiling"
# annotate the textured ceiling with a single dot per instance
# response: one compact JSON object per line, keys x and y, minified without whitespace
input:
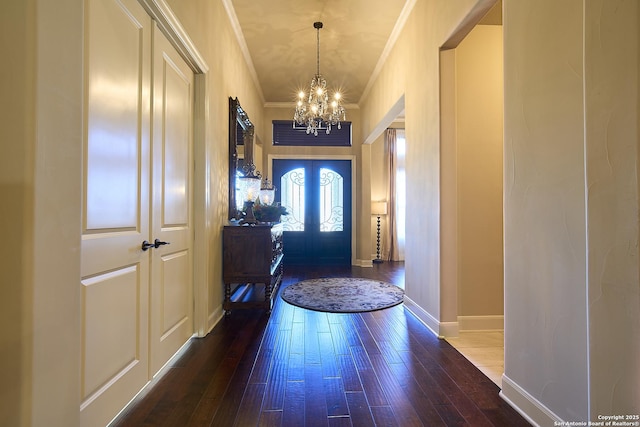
{"x":281,"y":42}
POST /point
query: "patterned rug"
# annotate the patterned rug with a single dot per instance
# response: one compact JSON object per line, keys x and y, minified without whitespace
{"x":343,"y":295}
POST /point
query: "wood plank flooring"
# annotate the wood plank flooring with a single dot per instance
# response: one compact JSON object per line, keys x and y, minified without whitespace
{"x":304,"y":368}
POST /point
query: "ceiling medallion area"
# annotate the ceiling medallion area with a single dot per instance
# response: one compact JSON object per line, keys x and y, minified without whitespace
{"x":313,"y":109}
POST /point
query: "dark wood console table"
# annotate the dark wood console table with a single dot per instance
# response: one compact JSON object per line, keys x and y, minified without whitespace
{"x":252,"y":265}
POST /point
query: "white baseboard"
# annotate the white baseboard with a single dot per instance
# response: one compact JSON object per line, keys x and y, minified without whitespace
{"x":363,"y":263}
{"x":528,"y":406}
{"x":440,"y":329}
{"x":449,"y":329}
{"x":481,"y":323}
{"x":214,"y":318}
{"x":429,"y":321}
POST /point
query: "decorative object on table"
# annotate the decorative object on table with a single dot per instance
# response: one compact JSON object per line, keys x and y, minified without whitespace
{"x":315,"y":111}
{"x":269,"y":213}
{"x":264,"y":210}
{"x":378,"y":209}
{"x":249,"y":185}
{"x":343,"y":295}
{"x":267,"y":192}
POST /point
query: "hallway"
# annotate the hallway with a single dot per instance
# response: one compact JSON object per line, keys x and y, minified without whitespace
{"x":304,"y":368}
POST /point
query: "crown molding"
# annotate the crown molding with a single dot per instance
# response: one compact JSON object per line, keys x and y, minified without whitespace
{"x":393,"y":38}
{"x":293,"y":105}
{"x":235,"y":24}
{"x":171,"y":27}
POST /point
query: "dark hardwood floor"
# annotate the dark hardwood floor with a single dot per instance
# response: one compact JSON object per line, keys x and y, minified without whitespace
{"x":303,"y":368}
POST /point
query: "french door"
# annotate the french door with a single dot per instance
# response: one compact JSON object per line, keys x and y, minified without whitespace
{"x":317,"y":195}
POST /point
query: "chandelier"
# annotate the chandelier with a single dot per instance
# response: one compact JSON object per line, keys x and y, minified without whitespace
{"x":316,"y":111}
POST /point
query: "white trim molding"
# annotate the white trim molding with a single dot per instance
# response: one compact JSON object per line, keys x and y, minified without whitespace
{"x":429,"y":321}
{"x":449,"y":329}
{"x":396,"y":110}
{"x":214,"y":318}
{"x":440,"y":329}
{"x":235,"y":24}
{"x":171,"y":27}
{"x":363,"y":263}
{"x":481,"y":323}
{"x":393,"y":38}
{"x":292,"y":105}
{"x":527,"y":405}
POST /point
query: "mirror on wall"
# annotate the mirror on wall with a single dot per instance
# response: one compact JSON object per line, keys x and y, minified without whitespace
{"x":241,"y":133}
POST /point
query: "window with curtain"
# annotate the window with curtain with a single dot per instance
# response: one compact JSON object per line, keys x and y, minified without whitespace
{"x":396,"y":149}
{"x":401,"y":192}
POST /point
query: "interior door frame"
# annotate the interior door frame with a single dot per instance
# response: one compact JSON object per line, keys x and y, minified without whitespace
{"x":170,"y":26}
{"x":448,"y":324}
{"x":354,"y":188}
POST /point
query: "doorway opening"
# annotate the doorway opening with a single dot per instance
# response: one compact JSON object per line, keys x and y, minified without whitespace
{"x":383,"y":178}
{"x":472,"y":283}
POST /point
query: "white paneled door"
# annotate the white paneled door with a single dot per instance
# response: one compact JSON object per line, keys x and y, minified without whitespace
{"x":171,"y":265}
{"x":137,"y":304}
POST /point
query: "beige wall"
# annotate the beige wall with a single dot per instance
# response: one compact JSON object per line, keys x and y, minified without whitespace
{"x":448,"y":196}
{"x":546,"y":323}
{"x":40,"y":192}
{"x":571,"y":200}
{"x":16,"y":209}
{"x":558,"y":301}
{"x":412,"y":70}
{"x":479,"y":82}
{"x":471,"y":127}
{"x":207,"y":24}
{"x":611,"y":70}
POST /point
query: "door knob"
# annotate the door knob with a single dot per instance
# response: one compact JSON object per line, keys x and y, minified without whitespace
{"x":157,"y":243}
{"x":146,"y":246}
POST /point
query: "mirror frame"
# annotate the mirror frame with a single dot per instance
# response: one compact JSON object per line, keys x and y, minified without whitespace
{"x":238,"y":118}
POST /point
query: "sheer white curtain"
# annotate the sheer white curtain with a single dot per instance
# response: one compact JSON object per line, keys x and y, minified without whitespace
{"x":401,"y":193}
{"x":396,"y":195}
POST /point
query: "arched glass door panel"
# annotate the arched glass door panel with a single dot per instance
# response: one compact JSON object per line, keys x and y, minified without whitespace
{"x":292,"y":197}
{"x":331,"y":201}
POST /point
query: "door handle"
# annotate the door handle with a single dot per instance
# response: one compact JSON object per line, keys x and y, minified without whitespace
{"x":146,"y":246}
{"x":157,"y":243}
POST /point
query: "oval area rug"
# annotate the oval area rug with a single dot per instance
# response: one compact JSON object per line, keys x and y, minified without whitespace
{"x":343,"y":294}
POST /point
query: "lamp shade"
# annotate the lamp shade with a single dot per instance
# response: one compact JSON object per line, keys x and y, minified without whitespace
{"x":267,"y":195}
{"x":249,"y":188}
{"x":379,"y":208}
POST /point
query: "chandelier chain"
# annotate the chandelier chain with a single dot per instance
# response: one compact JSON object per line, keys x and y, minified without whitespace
{"x":318,"y":51}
